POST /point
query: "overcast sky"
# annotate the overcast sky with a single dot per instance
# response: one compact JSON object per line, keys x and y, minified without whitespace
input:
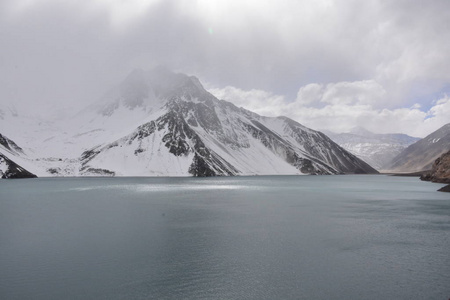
{"x":384,"y":65}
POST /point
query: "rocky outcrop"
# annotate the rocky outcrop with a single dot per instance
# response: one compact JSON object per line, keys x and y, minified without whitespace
{"x":9,"y":145}
{"x":9,"y":169}
{"x":440,"y":172}
{"x":445,"y":189}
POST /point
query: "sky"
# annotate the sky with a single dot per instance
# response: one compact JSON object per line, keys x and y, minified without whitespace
{"x":330,"y":65}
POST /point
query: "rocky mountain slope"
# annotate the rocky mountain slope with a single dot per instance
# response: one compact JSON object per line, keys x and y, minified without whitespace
{"x":159,"y":123}
{"x":8,"y":168}
{"x":440,"y":171}
{"x":421,"y":155}
{"x":377,"y":150}
{"x":8,"y":145}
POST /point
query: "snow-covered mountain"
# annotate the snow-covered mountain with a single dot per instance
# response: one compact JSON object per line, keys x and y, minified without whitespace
{"x":421,"y":155}
{"x":377,"y":150}
{"x":159,"y":123}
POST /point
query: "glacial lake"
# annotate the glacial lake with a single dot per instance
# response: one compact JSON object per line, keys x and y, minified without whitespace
{"x":265,"y":237}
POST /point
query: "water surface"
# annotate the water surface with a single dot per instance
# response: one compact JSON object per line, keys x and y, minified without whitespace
{"x":268,"y":237}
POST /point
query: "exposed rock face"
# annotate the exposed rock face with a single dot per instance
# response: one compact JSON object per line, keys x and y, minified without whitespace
{"x":445,"y":189}
{"x":440,"y":172}
{"x":441,"y":168}
{"x":421,"y":155}
{"x":10,"y":145}
{"x":9,"y":169}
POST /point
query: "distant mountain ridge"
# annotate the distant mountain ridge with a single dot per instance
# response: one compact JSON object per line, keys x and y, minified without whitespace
{"x":159,"y":123}
{"x":421,"y":155}
{"x":377,"y":150}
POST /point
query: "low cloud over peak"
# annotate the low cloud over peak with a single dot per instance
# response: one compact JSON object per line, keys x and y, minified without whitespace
{"x":386,"y":55}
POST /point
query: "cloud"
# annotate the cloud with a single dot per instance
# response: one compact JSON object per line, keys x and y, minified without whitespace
{"x":309,"y":93}
{"x":355,"y":93}
{"x":358,"y":93}
{"x":263,"y":102}
{"x":343,"y":105}
{"x":379,"y":54}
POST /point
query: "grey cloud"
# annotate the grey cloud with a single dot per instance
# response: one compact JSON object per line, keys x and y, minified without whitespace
{"x":69,"y":51}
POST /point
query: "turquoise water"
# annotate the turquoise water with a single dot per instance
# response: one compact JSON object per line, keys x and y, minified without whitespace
{"x":268,"y":237}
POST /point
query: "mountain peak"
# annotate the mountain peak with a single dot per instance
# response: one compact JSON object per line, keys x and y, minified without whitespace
{"x":195,"y":133}
{"x":143,"y":89}
{"x":196,"y":82}
{"x":165,"y":81}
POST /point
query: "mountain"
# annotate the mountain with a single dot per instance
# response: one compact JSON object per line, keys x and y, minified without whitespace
{"x":377,"y":150}
{"x":421,"y":155}
{"x":190,"y":132}
{"x":159,"y":123}
{"x":8,"y":168}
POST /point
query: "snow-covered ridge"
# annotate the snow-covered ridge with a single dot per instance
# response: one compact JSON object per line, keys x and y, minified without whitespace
{"x":159,"y":123}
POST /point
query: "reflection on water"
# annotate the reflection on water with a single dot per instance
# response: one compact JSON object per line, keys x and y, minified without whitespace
{"x":161,"y":188}
{"x":286,"y":237}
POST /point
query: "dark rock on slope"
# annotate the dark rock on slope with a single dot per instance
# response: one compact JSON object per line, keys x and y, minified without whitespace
{"x":440,"y":172}
{"x":9,"y":169}
{"x":10,"y":145}
{"x":445,"y":189}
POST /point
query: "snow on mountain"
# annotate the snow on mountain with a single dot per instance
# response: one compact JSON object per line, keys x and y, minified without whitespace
{"x":190,"y":132}
{"x":377,"y":150}
{"x":158,"y":123}
{"x":45,"y":148}
{"x":52,"y":145}
{"x":421,"y":155}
